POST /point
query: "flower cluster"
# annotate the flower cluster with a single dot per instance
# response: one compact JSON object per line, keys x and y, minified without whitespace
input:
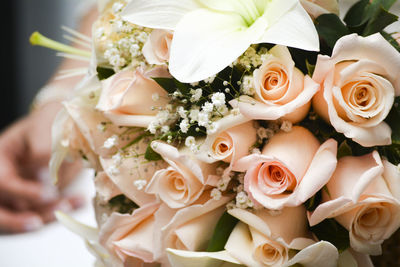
{"x":227,"y":135}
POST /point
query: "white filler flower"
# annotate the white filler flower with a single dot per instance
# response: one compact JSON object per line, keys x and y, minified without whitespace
{"x":211,"y":34}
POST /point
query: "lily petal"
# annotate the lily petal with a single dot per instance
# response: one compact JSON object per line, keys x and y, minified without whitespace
{"x":158,"y":14}
{"x":295,"y":29}
{"x":200,"y":50}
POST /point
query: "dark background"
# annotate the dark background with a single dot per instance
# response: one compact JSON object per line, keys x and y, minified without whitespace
{"x":25,"y":68}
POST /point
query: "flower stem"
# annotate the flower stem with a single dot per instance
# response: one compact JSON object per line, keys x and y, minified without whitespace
{"x":38,"y":39}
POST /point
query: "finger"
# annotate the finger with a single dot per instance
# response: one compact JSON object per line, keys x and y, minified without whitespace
{"x":66,"y":205}
{"x":17,"y":222}
{"x":18,"y":188}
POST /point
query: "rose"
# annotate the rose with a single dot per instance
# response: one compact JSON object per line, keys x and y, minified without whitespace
{"x":105,"y":188}
{"x":282,"y":91}
{"x":130,"y":172}
{"x":130,"y":235}
{"x":184,"y":180}
{"x":190,"y":228}
{"x":291,"y":168}
{"x":232,"y":140}
{"x":364,"y":197}
{"x":157,"y":47}
{"x":264,"y":239}
{"x":396,"y":36}
{"x":128,"y":98}
{"x":318,"y":7}
{"x":359,"y":83}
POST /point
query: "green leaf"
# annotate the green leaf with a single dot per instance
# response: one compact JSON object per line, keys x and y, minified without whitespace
{"x":391,"y":40}
{"x":330,"y":28}
{"x":344,"y":150}
{"x":222,"y":231}
{"x":393,"y":119}
{"x":313,"y":202}
{"x":354,"y":17}
{"x":392,"y":153}
{"x":380,"y":19}
{"x":310,"y":68}
{"x":151,"y":155}
{"x":331,"y":231}
{"x":171,"y":85}
{"x":104,"y":73}
{"x":122,"y":204}
{"x":361,"y":14}
{"x":167,"y":83}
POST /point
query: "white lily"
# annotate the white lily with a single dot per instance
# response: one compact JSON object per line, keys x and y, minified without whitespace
{"x":211,"y":34}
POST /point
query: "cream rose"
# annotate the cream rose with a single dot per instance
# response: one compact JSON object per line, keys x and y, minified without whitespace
{"x":127,"y":97}
{"x":105,"y":188}
{"x":318,"y":7}
{"x":232,"y":140}
{"x":281,"y":90}
{"x":130,"y":235}
{"x":364,"y":197}
{"x":358,"y":84}
{"x":263,"y":239}
{"x":190,"y":228}
{"x":185,"y":179}
{"x":291,"y":168}
{"x":130,"y":172}
{"x":157,"y":47}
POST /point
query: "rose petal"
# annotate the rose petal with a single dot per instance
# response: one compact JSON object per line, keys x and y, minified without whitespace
{"x":183,"y":258}
{"x":319,"y":254}
{"x":254,"y":109}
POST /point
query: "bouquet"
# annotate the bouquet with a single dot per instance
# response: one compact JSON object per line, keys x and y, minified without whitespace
{"x":237,"y":133}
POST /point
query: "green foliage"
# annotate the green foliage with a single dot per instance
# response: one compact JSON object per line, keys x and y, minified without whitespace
{"x":344,"y":150}
{"x":171,"y":85}
{"x":392,"y":152}
{"x":303,"y":59}
{"x":104,"y":73}
{"x":331,"y":231}
{"x":391,"y":40}
{"x":222,"y":231}
{"x":330,"y":28}
{"x":151,"y":155}
{"x":122,"y":204}
{"x":366,"y":18}
{"x":312,"y":203}
{"x":393,"y":119}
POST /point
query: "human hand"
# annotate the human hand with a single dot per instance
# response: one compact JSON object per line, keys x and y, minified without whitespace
{"x":27,"y":199}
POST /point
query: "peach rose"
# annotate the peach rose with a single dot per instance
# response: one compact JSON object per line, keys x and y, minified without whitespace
{"x":234,"y":137}
{"x":127,"y":97}
{"x":130,"y":172}
{"x":130,"y":235}
{"x":291,"y":168}
{"x":157,"y":47}
{"x":105,"y":188}
{"x":184,"y":180}
{"x":364,"y":197}
{"x":263,"y":239}
{"x":316,"y":8}
{"x":190,"y":228}
{"x":282,"y":91}
{"x":359,"y":83}
{"x":396,"y":36}
{"x":72,"y":131}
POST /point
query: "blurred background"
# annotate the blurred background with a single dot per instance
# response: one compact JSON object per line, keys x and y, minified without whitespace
{"x":26,"y":68}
